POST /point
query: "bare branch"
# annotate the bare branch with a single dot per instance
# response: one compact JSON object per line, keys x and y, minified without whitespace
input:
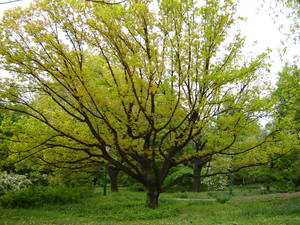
{"x":105,"y":2}
{"x":2,"y":3}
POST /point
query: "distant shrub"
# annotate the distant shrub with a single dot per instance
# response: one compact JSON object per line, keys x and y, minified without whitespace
{"x":39,"y":178}
{"x":42,"y":195}
{"x":12,"y":182}
{"x":223,"y":198}
{"x":220,"y":197}
{"x":136,"y":187}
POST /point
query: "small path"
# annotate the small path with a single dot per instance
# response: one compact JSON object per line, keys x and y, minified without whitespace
{"x":191,"y":199}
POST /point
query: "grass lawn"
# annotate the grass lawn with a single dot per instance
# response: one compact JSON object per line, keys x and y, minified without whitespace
{"x":127,"y":208}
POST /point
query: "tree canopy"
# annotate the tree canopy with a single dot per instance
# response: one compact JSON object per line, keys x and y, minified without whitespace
{"x":132,"y":83}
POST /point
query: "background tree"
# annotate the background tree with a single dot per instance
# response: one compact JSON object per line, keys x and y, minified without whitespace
{"x":230,"y":135}
{"x":287,"y":94}
{"x":288,"y":117}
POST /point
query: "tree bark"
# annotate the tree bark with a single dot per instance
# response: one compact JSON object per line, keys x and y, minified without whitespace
{"x":197,"y":165}
{"x":197,"y":168}
{"x":197,"y":183}
{"x":152,"y":198}
{"x":113,"y":176}
{"x":153,"y":187}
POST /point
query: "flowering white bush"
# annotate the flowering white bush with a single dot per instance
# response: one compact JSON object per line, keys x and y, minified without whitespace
{"x":12,"y":182}
{"x":218,"y":182}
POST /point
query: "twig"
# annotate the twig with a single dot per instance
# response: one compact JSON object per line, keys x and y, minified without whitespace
{"x":2,"y":3}
{"x":105,"y":2}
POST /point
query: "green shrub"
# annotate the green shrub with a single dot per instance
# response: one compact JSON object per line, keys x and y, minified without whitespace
{"x":136,"y":187}
{"x":220,"y":197}
{"x":38,"y":178}
{"x":41,"y":195}
{"x":223,"y":198}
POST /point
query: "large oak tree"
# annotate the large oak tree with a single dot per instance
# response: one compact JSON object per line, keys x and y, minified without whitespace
{"x":132,"y":83}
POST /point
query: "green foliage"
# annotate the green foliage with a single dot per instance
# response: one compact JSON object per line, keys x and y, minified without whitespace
{"x":136,"y":187}
{"x":288,"y":97}
{"x":128,"y":84}
{"x":183,"y":186}
{"x":36,"y":196}
{"x":280,"y":175}
{"x":40,"y":179}
{"x":283,"y":174}
{"x":8,"y":127}
{"x":71,"y":178}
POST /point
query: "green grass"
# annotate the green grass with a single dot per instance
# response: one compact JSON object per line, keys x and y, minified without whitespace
{"x":127,"y":208}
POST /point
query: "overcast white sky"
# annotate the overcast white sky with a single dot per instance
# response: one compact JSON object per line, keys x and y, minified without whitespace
{"x":261,"y":30}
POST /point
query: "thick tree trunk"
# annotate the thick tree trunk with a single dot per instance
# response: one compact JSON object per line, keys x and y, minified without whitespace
{"x":152,"y":188}
{"x":197,"y":183}
{"x":272,"y":179}
{"x":113,"y":176}
{"x":152,"y":198}
{"x":198,"y":165}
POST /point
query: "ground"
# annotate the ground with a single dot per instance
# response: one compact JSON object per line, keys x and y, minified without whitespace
{"x":127,"y":208}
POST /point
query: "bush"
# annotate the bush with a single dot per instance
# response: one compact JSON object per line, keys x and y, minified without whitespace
{"x":223,"y":198}
{"x":218,"y":182}
{"x":220,"y":197}
{"x":136,"y":187}
{"x":12,"y":182}
{"x":38,"y":178}
{"x":41,"y":195}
